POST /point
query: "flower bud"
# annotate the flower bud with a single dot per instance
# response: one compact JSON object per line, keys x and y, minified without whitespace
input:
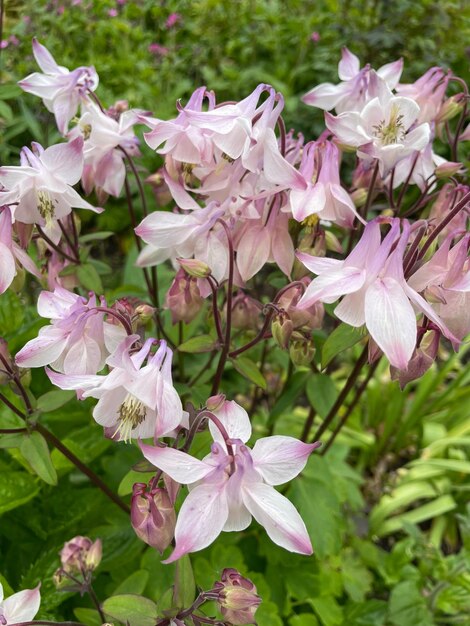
{"x":195,"y":268}
{"x":421,"y":360}
{"x":153,"y":517}
{"x":332,"y":242}
{"x":281,"y":329}
{"x":245,"y":312}
{"x":451,"y":107}
{"x":447,"y":169}
{"x":80,"y":555}
{"x":215,"y":402}
{"x":301,"y":350}
{"x":311,"y":317}
{"x":144,"y":313}
{"x":183,"y":298}
{"x":237,"y":598}
{"x":359,"y":197}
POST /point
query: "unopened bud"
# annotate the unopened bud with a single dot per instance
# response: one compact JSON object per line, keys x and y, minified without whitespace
{"x":245,"y":312}
{"x":447,"y":169}
{"x":183,"y":298}
{"x":237,"y":599}
{"x":359,"y":197}
{"x":302,"y":351}
{"x":281,"y":329}
{"x":195,"y":268}
{"x":332,"y":242}
{"x":451,"y":107}
{"x":144,"y":313}
{"x":421,"y":360}
{"x":80,"y":555}
{"x":153,"y":517}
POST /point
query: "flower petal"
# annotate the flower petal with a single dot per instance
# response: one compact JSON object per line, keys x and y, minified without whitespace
{"x":278,"y":516}
{"x":235,"y":420}
{"x":22,"y":606}
{"x":279,"y":459}
{"x":178,"y":465}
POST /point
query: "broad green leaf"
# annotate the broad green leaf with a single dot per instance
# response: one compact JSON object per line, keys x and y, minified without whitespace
{"x":328,"y":610}
{"x":126,"y":484}
{"x":342,"y":338}
{"x":321,"y":393}
{"x":11,"y":440}
{"x":197,"y":345}
{"x":369,"y":613}
{"x":11,"y":313}
{"x":16,"y":488}
{"x":89,"y":278}
{"x":407,"y":606}
{"x":105,"y":234}
{"x":303,"y":619}
{"x":35,"y":450}
{"x":184,"y":590}
{"x":247,"y":368}
{"x":90,"y":617}
{"x":135,"y":583}
{"x":131,"y":609}
{"x":53,"y":400}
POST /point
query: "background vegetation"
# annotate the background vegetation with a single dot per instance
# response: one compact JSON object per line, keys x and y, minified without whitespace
{"x":387,"y":507}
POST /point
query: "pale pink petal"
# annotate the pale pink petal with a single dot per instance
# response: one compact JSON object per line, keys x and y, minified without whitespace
{"x":75,"y":382}
{"x":307,"y":202}
{"x":7,"y":268}
{"x":349,"y":65}
{"x":253,"y":251}
{"x":22,"y":606}
{"x":318,"y":264}
{"x":391,"y":321}
{"x":235,"y":420}
{"x":325,"y":96}
{"x":347,"y":127}
{"x":351,"y":308}
{"x":330,"y":286}
{"x":282,"y":248}
{"x":391,"y":73}
{"x":200,"y":520}
{"x":170,"y":409}
{"x":83,"y":357}
{"x":43,"y":349}
{"x":276,"y":169}
{"x":278,"y":516}
{"x":64,"y":107}
{"x":65,"y":160}
{"x":279,"y":459}
{"x":178,"y":465}
{"x":427,"y":309}
{"x":44,"y":58}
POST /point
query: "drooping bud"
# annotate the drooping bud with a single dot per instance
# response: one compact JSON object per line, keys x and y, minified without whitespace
{"x":359,"y":197}
{"x":245,"y":312}
{"x":301,"y":350}
{"x":80,"y":555}
{"x":281,"y":329}
{"x":153,"y":517}
{"x":451,"y":107}
{"x":143,"y":314}
{"x":312,"y":317}
{"x":183,"y":298}
{"x":421,"y":360}
{"x":237,"y":598}
{"x":447,"y":169}
{"x":195,"y":268}
{"x":215,"y":402}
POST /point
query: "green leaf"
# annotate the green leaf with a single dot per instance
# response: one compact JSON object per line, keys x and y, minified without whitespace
{"x":321,"y":393}
{"x":303,"y":619}
{"x":430,"y":510}
{"x":9,"y":91}
{"x":131,"y":609}
{"x":35,"y":451}
{"x":407,"y":607}
{"x":89,"y":278}
{"x":11,"y":440}
{"x":16,"y":488}
{"x":53,"y":400}
{"x":340,"y":339}
{"x":11,"y":313}
{"x":126,"y":484}
{"x":135,"y":583}
{"x":289,"y":395}
{"x":96,"y":236}
{"x":328,"y":610}
{"x":370,"y":613}
{"x":185,"y":588}
{"x":247,"y":368}
{"x":90,"y":617}
{"x":197,"y":345}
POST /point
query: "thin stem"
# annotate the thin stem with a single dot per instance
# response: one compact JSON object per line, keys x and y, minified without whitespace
{"x":95,"y":601}
{"x":343,"y":395}
{"x":351,"y":407}
{"x":118,"y":316}
{"x":12,"y":431}
{"x":228,"y":321}
{"x":203,"y":369}
{"x":215,"y":310}
{"x":53,"y":440}
{"x":407,"y":181}
{"x":259,"y":337}
{"x":11,"y":406}
{"x":67,"y":238}
{"x":56,"y":247}
{"x":308,"y":424}
{"x":137,"y":179}
{"x":370,"y":193}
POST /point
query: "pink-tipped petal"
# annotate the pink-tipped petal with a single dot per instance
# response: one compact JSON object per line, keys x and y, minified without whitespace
{"x":200,"y":520}
{"x":235,"y":420}
{"x":7,"y":268}
{"x":65,"y":160}
{"x":279,"y":459}
{"x":178,"y":465}
{"x":22,"y":606}
{"x":278,"y":516}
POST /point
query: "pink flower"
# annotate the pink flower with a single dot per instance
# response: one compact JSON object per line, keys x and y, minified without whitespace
{"x":19,"y":607}
{"x":60,"y":90}
{"x":77,"y":342}
{"x":315,"y":37}
{"x":103,"y":135}
{"x":384,"y":130}
{"x":11,"y":255}
{"x":358,"y":85}
{"x":156,"y":48}
{"x":42,"y":185}
{"x":135,"y":400}
{"x":234,"y":483}
{"x":374,"y":291}
{"x":325,"y":197}
{"x":172,"y":19}
{"x":112,"y":12}
{"x":428,"y":92}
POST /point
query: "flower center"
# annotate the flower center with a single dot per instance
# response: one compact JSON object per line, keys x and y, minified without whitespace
{"x":45,"y":205}
{"x":132,"y":412}
{"x":393,"y":132}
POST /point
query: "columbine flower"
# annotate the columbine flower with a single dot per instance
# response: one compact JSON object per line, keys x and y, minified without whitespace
{"x":234,"y":483}
{"x":237,"y":598}
{"x":358,"y":86}
{"x":384,"y":130}
{"x":325,"y":197}
{"x":153,"y":516}
{"x":19,"y":607}
{"x":428,"y":92}
{"x":11,"y":255}
{"x":78,"y":341}
{"x":42,"y":184}
{"x":60,"y":90}
{"x":135,"y":400}
{"x":80,"y":555}
{"x":104,"y":167}
{"x":375,"y":291}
